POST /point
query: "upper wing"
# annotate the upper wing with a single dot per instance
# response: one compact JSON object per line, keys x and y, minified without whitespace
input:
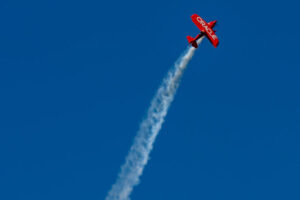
{"x":199,"y":22}
{"x":212,"y":37}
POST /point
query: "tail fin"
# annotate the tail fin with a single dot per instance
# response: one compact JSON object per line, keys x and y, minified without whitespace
{"x":192,"y":41}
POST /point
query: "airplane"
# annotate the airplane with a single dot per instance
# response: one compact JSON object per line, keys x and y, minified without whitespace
{"x":206,"y":30}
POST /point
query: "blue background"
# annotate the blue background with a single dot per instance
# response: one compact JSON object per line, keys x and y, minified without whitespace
{"x":76,"y":78}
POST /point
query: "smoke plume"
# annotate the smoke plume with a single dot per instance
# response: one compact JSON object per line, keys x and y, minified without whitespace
{"x":138,"y":155}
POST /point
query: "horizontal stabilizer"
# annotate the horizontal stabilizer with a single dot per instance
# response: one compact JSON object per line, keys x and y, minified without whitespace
{"x":192,"y":41}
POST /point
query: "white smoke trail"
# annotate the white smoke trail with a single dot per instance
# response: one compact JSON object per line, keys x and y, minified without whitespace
{"x":138,"y":155}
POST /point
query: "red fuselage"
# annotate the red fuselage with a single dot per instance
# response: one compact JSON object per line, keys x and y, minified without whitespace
{"x":206,"y":29}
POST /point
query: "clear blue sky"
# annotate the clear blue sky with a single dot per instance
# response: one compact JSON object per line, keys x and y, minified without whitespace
{"x":76,"y":78}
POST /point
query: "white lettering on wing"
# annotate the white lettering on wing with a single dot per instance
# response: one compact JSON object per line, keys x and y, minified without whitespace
{"x":208,"y":30}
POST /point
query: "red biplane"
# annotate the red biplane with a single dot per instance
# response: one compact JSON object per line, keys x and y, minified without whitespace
{"x":206,"y":30}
